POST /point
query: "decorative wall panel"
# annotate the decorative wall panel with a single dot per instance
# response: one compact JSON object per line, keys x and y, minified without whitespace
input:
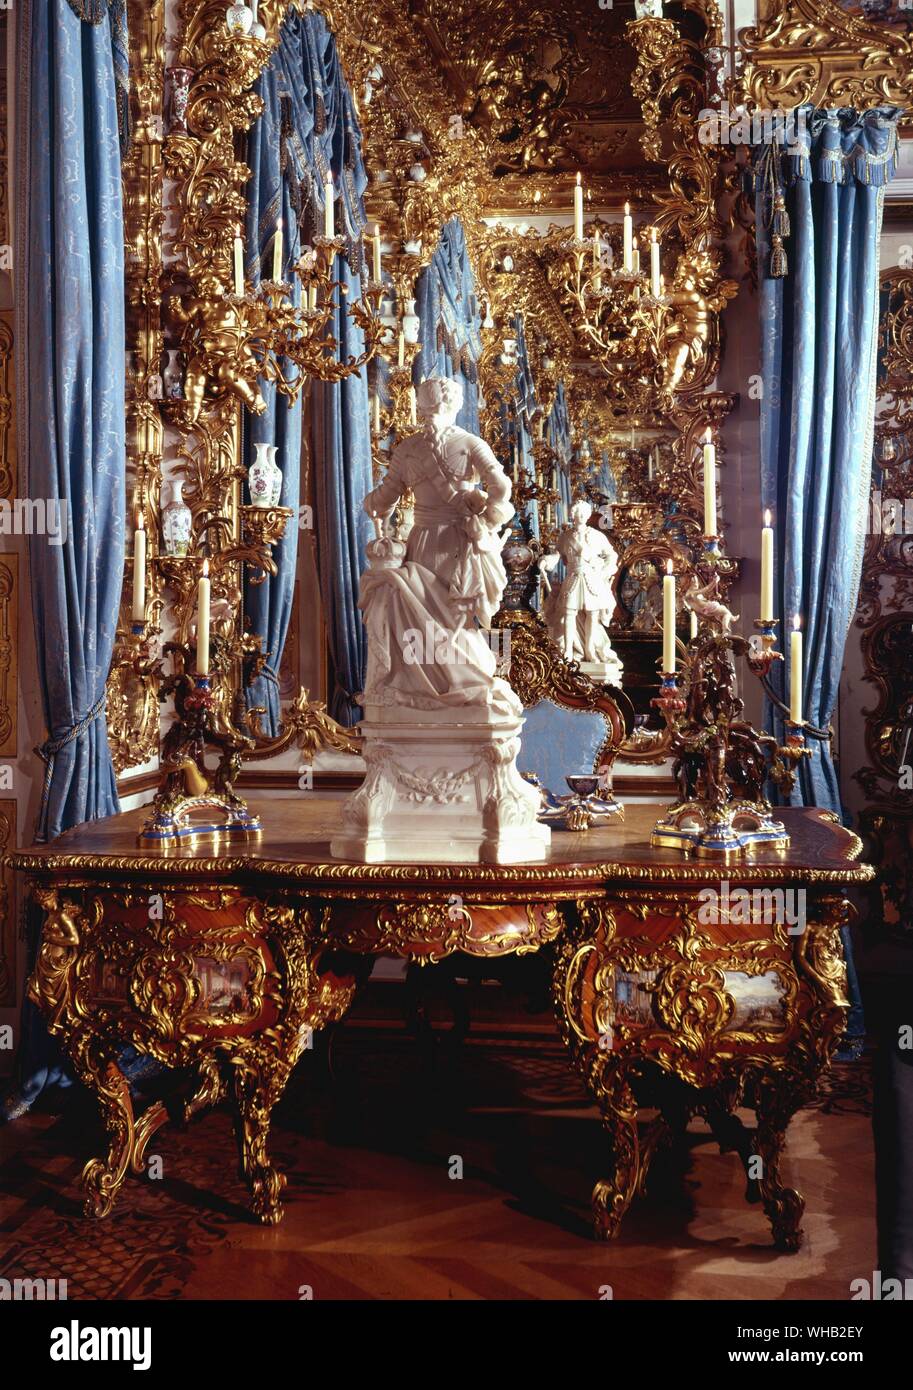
{"x":7,"y":906}
{"x":7,"y":433}
{"x":9,"y":653}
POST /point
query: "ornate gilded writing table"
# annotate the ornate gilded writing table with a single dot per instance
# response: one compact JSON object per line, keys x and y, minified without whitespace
{"x":220,"y":963}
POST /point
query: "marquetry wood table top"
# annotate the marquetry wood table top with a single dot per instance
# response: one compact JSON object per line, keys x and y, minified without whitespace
{"x":294,"y":847}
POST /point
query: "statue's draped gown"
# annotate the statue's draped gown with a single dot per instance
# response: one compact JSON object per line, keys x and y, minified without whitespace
{"x":425,"y":618}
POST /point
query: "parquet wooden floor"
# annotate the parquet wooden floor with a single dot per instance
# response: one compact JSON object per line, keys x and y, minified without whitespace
{"x":373,"y":1213}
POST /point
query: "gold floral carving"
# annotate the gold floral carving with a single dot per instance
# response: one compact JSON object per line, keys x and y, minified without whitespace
{"x":306,"y":724}
{"x":132,"y":707}
{"x":815,"y":51}
{"x":428,"y":930}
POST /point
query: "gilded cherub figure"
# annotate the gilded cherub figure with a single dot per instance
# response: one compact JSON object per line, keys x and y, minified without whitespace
{"x":696,"y":295}
{"x":705,"y":601}
{"x":216,"y":341}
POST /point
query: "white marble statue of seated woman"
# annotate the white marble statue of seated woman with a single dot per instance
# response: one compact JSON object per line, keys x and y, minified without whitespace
{"x":426,"y":611}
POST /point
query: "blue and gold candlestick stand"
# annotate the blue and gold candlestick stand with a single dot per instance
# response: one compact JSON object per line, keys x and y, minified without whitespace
{"x":194,"y":802}
{"x":721,"y":761}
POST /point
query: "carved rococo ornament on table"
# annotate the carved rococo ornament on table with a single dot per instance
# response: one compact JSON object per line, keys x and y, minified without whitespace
{"x":638,"y":1004}
{"x":108,"y":974}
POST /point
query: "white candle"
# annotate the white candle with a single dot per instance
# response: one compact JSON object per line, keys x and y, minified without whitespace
{"x":376,"y":245}
{"x":650,"y":467}
{"x":413,"y":417}
{"x":795,"y":673}
{"x":277,"y":252}
{"x":693,"y":624}
{"x":139,"y":571}
{"x":669,"y":620}
{"x":578,"y":210}
{"x":239,"y":263}
{"x":655,"y":288}
{"x":375,"y":412}
{"x":597,"y":262}
{"x":767,"y":570}
{"x":709,"y":485}
{"x":628,"y":249}
{"x":636,"y":260}
{"x":329,"y":222}
{"x":203,"y":622}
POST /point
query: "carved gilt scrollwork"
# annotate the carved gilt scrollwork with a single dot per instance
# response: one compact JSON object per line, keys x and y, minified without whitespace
{"x":640,"y":983}
{"x":816,"y":51}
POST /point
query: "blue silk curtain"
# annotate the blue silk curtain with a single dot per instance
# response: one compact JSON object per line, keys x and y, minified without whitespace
{"x":819,"y":324}
{"x":342,"y":479}
{"x":276,"y":154}
{"x":446,"y":303}
{"x":340,"y":421}
{"x":559,"y":435}
{"x":309,"y":128}
{"x":605,"y":481}
{"x":70,"y":377}
{"x":819,"y":336}
{"x":71,"y":113}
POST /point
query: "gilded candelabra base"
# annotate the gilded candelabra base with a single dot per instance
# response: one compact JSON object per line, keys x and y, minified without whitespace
{"x":721,"y":763}
{"x":718,"y":832}
{"x":194,"y":803}
{"x":206,"y":817}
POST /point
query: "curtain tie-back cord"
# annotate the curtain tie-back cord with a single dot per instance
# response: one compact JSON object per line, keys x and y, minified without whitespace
{"x":51,"y":747}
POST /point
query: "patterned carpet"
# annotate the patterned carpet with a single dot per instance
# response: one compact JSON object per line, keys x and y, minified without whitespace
{"x":371,"y":1211}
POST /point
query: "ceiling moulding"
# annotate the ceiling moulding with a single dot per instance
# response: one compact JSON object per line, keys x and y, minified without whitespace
{"x":819,"y":51}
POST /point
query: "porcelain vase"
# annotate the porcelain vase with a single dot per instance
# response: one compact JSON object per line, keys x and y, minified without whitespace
{"x":264,"y":477}
{"x":177,"y":522}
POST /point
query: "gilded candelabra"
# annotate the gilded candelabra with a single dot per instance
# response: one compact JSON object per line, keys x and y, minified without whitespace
{"x":231,"y":340}
{"x":194,"y":802}
{"x":721,"y":762}
{"x":393,"y":408}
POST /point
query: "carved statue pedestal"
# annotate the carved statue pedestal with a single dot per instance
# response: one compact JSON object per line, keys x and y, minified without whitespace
{"x":607,"y":672}
{"x":440,"y":791}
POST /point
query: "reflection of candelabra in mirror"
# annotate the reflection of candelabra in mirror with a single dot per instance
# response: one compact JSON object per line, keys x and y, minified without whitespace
{"x":540,"y":486}
{"x":650,"y":336}
{"x":225,"y":336}
{"x":393,"y":400}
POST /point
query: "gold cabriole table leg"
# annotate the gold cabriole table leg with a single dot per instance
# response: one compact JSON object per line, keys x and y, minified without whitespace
{"x":214,"y":982}
{"x":738,"y":1013}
